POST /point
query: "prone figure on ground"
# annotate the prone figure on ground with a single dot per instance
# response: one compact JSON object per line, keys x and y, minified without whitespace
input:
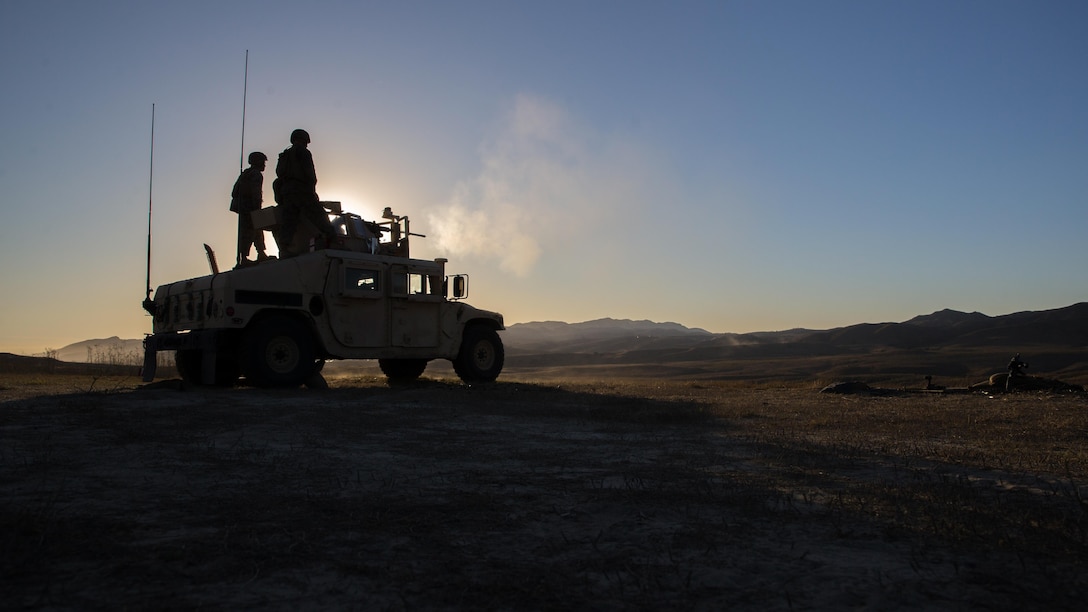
{"x":1016,"y":369}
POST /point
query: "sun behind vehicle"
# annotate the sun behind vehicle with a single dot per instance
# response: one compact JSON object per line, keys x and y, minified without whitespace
{"x":275,"y":322}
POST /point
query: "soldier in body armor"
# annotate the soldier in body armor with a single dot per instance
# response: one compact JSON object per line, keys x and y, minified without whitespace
{"x":246,"y":198}
{"x":296,"y":192}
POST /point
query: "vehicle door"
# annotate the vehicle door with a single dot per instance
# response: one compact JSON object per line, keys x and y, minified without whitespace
{"x":415,"y":301}
{"x":357,"y":293}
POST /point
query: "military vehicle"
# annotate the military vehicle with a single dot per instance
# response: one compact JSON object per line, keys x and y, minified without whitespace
{"x":361,"y":296}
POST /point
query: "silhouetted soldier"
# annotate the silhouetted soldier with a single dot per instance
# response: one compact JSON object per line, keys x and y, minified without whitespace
{"x":1016,"y":369}
{"x":296,"y":192}
{"x":245,"y":199}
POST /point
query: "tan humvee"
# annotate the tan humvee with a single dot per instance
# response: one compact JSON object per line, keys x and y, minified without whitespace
{"x":275,"y":322}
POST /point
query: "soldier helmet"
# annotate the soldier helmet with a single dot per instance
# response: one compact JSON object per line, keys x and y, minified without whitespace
{"x":257,"y":157}
{"x":300,"y":136}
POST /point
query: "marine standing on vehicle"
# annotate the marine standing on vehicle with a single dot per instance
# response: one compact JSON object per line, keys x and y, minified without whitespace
{"x":246,"y":198}
{"x":296,"y":192}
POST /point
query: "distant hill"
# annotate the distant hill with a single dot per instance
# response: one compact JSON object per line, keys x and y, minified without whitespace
{"x":946,"y":343}
{"x":595,"y":336}
{"x":103,"y":350}
{"x":634,"y":339}
{"x":1064,"y":327}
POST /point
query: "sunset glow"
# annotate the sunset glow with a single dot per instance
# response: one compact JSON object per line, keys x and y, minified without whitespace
{"x":770,"y":165}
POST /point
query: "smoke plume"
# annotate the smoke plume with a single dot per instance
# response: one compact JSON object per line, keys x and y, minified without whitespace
{"x":544,"y":181}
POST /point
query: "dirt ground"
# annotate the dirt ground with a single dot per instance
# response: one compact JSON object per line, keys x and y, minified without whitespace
{"x":515,"y":495}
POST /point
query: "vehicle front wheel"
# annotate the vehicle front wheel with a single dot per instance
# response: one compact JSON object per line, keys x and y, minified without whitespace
{"x":279,"y":352}
{"x":481,"y":356}
{"x":402,"y":370}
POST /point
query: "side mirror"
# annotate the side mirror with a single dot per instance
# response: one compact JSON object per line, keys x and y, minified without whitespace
{"x":460,"y":286}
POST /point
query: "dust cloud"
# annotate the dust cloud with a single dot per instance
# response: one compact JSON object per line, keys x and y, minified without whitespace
{"x":545,"y":182}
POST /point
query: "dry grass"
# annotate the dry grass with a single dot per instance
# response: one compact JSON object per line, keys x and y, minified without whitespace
{"x":539,"y":494}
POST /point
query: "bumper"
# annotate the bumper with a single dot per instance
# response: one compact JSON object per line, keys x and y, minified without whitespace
{"x":206,"y":341}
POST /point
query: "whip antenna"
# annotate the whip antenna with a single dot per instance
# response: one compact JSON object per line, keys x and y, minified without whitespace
{"x":150,"y":179}
{"x":245,"y":87}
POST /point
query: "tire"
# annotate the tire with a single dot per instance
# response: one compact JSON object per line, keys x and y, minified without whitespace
{"x":402,"y":370}
{"x":279,"y":352}
{"x":190,"y":366}
{"x":481,"y":356}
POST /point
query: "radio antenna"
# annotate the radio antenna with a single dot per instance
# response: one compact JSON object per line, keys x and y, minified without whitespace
{"x":245,"y":87}
{"x":148,"y":304}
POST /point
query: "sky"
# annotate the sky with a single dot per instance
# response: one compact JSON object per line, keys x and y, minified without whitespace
{"x":733,"y":166}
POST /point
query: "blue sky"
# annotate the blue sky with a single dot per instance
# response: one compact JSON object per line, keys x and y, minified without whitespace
{"x":735,"y":166}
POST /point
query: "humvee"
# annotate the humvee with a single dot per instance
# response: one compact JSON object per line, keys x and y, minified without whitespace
{"x":275,"y":322}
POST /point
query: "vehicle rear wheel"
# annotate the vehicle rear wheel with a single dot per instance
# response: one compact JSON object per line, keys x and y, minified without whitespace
{"x":481,"y":356}
{"x":279,"y":352}
{"x":190,"y":366}
{"x":402,"y":370}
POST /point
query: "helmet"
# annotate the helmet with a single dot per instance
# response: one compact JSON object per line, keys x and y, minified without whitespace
{"x":300,"y":136}
{"x":256,"y":157}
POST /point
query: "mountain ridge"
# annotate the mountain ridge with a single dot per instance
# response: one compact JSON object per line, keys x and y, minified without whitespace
{"x":1066,"y":326}
{"x":945,"y":343}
